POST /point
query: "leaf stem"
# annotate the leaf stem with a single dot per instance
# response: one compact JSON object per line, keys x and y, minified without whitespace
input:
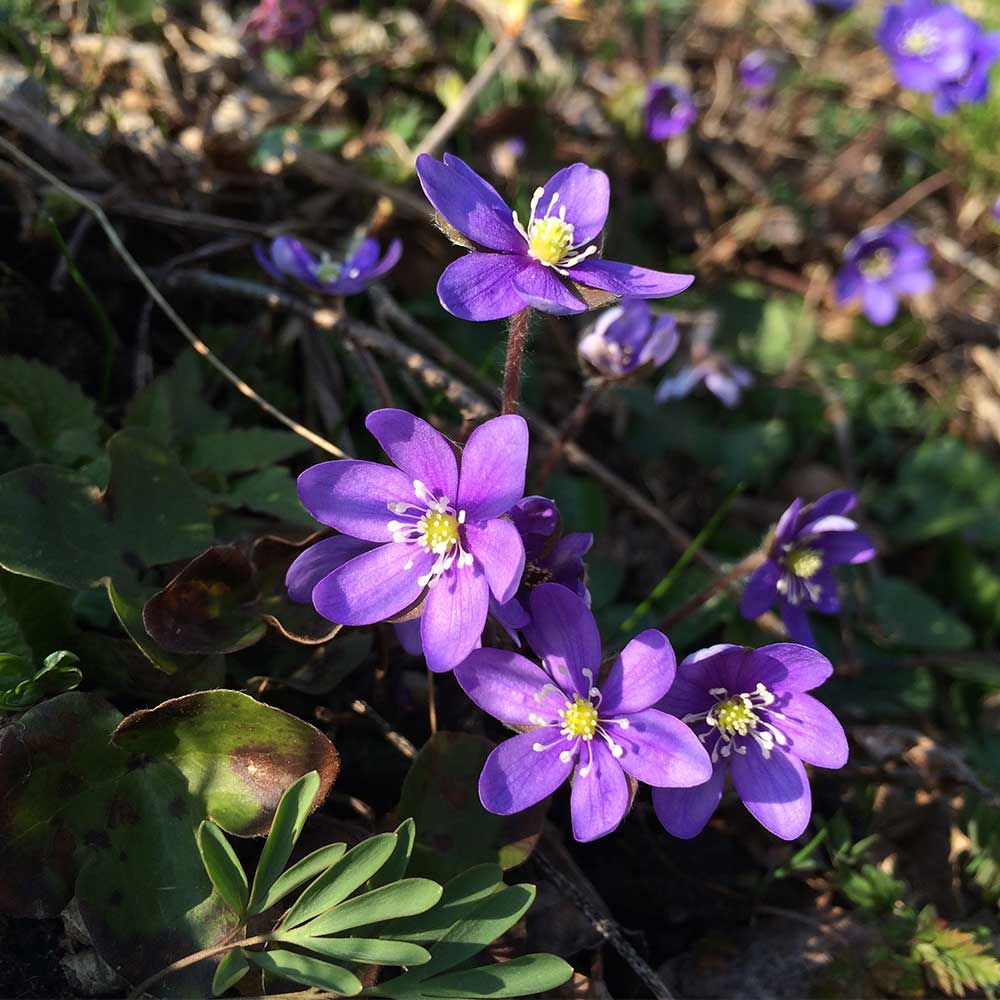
{"x":516,"y":338}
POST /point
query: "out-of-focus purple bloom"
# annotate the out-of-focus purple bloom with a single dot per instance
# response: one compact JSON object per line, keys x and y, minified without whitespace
{"x":427,"y":532}
{"x":725,"y":380}
{"x":799,"y":573}
{"x":996,"y":210}
{"x":750,"y":708}
{"x":759,"y":69}
{"x":549,"y":557}
{"x":669,"y":110}
{"x":288,"y":258}
{"x":281,"y":22}
{"x":505,"y":156}
{"x":880,"y":265}
{"x":602,"y":733}
{"x":537,"y":265}
{"x":973,"y":86}
{"x":929,"y":43}
{"x":628,"y":337}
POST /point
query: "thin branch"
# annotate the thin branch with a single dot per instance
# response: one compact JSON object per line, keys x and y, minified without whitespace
{"x":693,"y":603}
{"x":398,"y":740}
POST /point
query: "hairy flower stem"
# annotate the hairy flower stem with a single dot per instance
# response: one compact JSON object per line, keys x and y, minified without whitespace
{"x":570,"y":430}
{"x":516,"y":338}
{"x":688,"y":608}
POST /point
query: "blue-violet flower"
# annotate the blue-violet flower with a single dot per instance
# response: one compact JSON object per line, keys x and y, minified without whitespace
{"x":669,"y":111}
{"x":288,"y":258}
{"x":628,"y":337}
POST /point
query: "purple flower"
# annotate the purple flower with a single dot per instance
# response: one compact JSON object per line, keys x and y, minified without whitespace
{"x":524,"y":266}
{"x":627,"y":337}
{"x":807,"y":543}
{"x":669,"y":110}
{"x":549,"y":557}
{"x":880,"y":265}
{"x":288,"y":258}
{"x":929,"y":43}
{"x":749,"y":707}
{"x":722,"y":378}
{"x":428,"y":533}
{"x":281,"y":22}
{"x":759,"y":69}
{"x":996,"y":210}
{"x":602,"y":734}
{"x":973,"y":86}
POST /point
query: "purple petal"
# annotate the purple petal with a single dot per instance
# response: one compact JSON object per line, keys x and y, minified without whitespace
{"x":493,"y":468}
{"x":787,"y":666}
{"x":842,"y":547}
{"x":717,"y":666}
{"x":515,"y":776}
{"x":585,"y":193}
{"x":627,"y":279}
{"x":825,"y":597}
{"x":662,"y":343}
{"x":454,"y":616}
{"x":468,"y":202}
{"x":372,"y":586}
{"x":353,"y":497}
{"x":417,"y":449}
{"x":787,"y":524}
{"x":509,"y":687}
{"x":408,"y":634}
{"x":775,"y":791}
{"x":640,"y":675}
{"x":914,"y":282}
{"x":797,"y":623}
{"x":480,"y":286}
{"x":497,"y":546}
{"x":316,"y":561}
{"x":685,"y":811}
{"x":848,"y":284}
{"x":661,"y":750}
{"x":761,"y":590}
{"x":879,"y":304}
{"x":812,"y":730}
{"x":829,"y":522}
{"x":724,"y":388}
{"x":837,"y":502}
{"x":265,"y":262}
{"x":291,"y":258}
{"x":564,"y":634}
{"x":679,"y":385}
{"x":600,"y":795}
{"x":540,"y":287}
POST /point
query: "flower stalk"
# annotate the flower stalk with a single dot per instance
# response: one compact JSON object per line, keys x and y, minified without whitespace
{"x":516,"y":338}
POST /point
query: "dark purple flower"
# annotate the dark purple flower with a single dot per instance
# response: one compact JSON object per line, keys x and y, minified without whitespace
{"x":428,"y":533}
{"x":996,"y":210}
{"x":973,"y":86}
{"x":669,"y":110}
{"x":929,"y":43}
{"x":759,"y":69}
{"x":627,"y":337}
{"x":549,"y":557}
{"x":288,"y":258}
{"x":880,"y":265}
{"x":604,"y":734}
{"x":725,"y":380}
{"x":807,"y":543}
{"x":281,"y":22}
{"x":525,"y":266}
{"x":749,"y":707}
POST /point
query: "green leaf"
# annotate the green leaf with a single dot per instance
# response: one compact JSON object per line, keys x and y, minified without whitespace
{"x":753,"y":453}
{"x":233,"y":967}
{"x":22,"y":686}
{"x":35,"y":617}
{"x":400,"y":899}
{"x":582,"y":503}
{"x":395,"y":867}
{"x":355,"y":949}
{"x":308,"y":971}
{"x":954,"y":960}
{"x":784,"y":334}
{"x":223,"y":867}
{"x":226,"y":452}
{"x":335,"y":885}
{"x":908,"y":617}
{"x":289,"y":818}
{"x":270,"y":491}
{"x":520,"y":977}
{"x":302,"y":871}
{"x":872,"y":889}
{"x":238,"y":753}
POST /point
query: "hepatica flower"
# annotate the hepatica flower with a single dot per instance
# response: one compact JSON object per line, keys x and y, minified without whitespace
{"x":725,"y":380}
{"x":288,"y":258}
{"x":628,"y":337}
{"x":427,"y":532}
{"x":880,"y":265}
{"x":808,"y":543}
{"x":596,"y":734}
{"x":759,"y":69}
{"x":750,"y":710}
{"x":540,"y":263}
{"x":281,"y":22}
{"x":973,"y":86}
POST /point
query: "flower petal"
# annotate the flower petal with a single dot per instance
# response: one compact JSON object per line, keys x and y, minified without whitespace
{"x":787,"y":666}
{"x":540,"y":287}
{"x":761,"y":590}
{"x":468,"y":202}
{"x":685,"y":811}
{"x":797,"y":622}
{"x":585,"y":193}
{"x":788,"y":522}
{"x":408,"y":634}
{"x":454,"y":616}
{"x":661,"y":750}
{"x":717,"y":666}
{"x":880,"y":304}
{"x":564,"y":634}
{"x":844,"y":547}
{"x":838,"y":502}
{"x":515,"y":776}
{"x":416,"y":449}
{"x":493,"y":467}
{"x":628,"y":279}
{"x":812,"y":730}
{"x":509,"y":687}
{"x":480,"y":286}
{"x":662,"y":343}
{"x":372,"y":586}
{"x":496,"y":545}
{"x":775,"y":791}
{"x":313,"y":563}
{"x":600,"y":794}
{"x":353,"y":496}
{"x":640,"y":675}
{"x":725,"y":388}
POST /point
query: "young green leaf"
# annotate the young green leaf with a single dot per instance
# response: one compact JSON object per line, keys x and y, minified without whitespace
{"x":395,"y":867}
{"x":289,"y":818}
{"x":223,"y":867}
{"x":233,"y":967}
{"x":308,"y":971}
{"x":521,"y":977}
{"x":302,"y":871}
{"x":353,"y":949}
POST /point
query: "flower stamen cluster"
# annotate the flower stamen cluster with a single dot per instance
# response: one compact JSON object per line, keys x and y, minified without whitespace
{"x":550,"y":237}
{"x":739,"y":716}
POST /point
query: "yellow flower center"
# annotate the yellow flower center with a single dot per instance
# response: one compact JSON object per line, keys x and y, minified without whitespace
{"x":804,"y":563}
{"x":438,"y":532}
{"x":878,"y":265}
{"x":579,"y":718}
{"x":919,"y":40}
{"x":328,"y":270}
{"x":734,"y":716}
{"x":550,"y":239}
